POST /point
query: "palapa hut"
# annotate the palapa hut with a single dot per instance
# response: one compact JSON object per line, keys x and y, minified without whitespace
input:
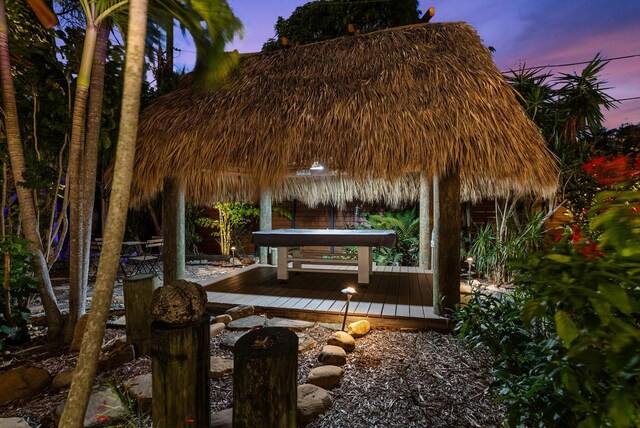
{"x":385,"y":112}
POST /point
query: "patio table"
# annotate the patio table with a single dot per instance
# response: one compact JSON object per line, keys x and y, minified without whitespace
{"x":284,"y":239}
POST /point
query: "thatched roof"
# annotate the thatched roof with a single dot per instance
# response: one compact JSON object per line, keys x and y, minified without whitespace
{"x":378,"y":106}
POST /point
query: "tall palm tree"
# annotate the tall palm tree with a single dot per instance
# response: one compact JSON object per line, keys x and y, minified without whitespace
{"x":25,"y":198}
{"x":221,"y":24}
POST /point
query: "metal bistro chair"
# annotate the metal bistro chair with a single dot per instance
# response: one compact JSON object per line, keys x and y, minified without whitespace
{"x":149,"y":261}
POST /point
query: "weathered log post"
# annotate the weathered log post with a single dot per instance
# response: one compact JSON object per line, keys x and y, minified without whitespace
{"x":264,"y":378}
{"x":138,"y":291}
{"x":447,"y":217}
{"x":180,"y":356}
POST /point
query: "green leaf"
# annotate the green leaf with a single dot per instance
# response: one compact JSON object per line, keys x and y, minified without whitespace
{"x":565,"y":328}
{"x":619,"y":409}
{"x":560,"y":258}
{"x":616,"y":295}
{"x":603,"y":309}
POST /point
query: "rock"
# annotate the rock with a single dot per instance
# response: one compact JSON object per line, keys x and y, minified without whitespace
{"x":305,"y":342}
{"x":120,"y":322}
{"x":241,"y":311}
{"x":326,"y":377}
{"x":78,"y":333}
{"x":331,"y":325}
{"x":333,"y":355}
{"x":13,"y":423}
{"x":216,"y":328}
{"x":62,"y":379}
{"x":312,"y":402}
{"x":104,"y":408}
{"x":140,"y":388}
{"x":246,"y":261}
{"x":229,"y":342}
{"x":118,"y":342}
{"x":359,"y":328}
{"x":220,"y":367}
{"x":343,"y":340}
{"x":247,"y":323}
{"x":222,"y":419}
{"x":117,"y":357}
{"x":225,"y":318}
{"x":295,"y":325}
{"x":21,"y":382}
{"x":178,"y":302}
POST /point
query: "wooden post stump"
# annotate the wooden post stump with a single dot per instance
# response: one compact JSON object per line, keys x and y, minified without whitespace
{"x":180,"y":365}
{"x":265,"y":378}
{"x":137,"y":310}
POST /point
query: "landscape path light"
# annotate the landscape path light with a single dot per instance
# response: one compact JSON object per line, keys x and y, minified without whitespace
{"x":233,"y":257}
{"x":349,"y":291}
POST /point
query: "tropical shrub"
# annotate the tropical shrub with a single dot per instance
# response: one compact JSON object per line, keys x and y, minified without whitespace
{"x":232,"y":224}
{"x":493,"y":246}
{"x":566,"y":343}
{"x":19,"y":285}
{"x":407,"y":227}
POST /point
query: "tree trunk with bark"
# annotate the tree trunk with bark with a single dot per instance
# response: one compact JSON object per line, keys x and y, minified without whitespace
{"x":25,"y":198}
{"x":86,"y":366}
{"x":92,"y":141}
{"x":77,"y":287}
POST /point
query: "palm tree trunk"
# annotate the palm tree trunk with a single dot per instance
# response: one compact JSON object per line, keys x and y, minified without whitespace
{"x":77,"y":285}
{"x":92,"y":140}
{"x":25,"y":198}
{"x":85,"y":371}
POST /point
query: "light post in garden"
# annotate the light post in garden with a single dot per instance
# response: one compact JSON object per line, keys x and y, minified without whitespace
{"x":349,"y":291}
{"x":233,"y":257}
{"x":469,"y":261}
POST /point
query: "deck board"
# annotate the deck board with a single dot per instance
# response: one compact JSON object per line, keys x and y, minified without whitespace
{"x":395,"y":295}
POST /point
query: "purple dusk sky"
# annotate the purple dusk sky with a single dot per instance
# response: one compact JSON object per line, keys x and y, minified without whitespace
{"x":522,"y":32}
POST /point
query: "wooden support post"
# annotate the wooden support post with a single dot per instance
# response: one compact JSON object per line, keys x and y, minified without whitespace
{"x":265,"y":378}
{"x":296,"y":254}
{"x":283,"y":262}
{"x":180,"y":373}
{"x":265,"y":219}
{"x":137,"y":310}
{"x":426,"y":214}
{"x":446,"y":258}
{"x":173,"y":230}
{"x":364,"y":264}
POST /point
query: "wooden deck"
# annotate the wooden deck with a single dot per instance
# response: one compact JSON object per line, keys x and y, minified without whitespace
{"x":396,"y":296}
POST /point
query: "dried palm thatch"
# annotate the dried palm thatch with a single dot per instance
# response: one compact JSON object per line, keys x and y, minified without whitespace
{"x":380,"y":106}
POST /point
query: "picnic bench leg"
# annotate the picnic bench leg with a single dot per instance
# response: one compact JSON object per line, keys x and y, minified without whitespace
{"x":364,"y":264}
{"x":296,"y":255}
{"x":283,"y":271}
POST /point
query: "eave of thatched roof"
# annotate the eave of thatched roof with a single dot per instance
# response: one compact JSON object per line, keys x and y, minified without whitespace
{"x":380,"y":106}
